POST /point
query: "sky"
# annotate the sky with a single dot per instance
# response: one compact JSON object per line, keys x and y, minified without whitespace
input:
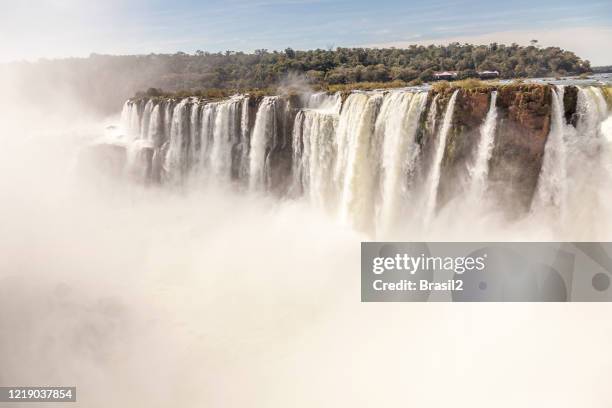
{"x":32,"y":29}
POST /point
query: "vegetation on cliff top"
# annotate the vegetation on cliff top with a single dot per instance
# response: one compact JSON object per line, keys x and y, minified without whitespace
{"x":353,"y":65}
{"x":106,"y":81}
{"x":356,"y":68}
{"x":445,"y":88}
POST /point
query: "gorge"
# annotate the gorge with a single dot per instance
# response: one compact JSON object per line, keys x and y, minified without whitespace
{"x":373,"y":158}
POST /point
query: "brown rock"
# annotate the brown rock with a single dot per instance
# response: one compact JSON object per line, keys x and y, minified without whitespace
{"x":524,"y":123}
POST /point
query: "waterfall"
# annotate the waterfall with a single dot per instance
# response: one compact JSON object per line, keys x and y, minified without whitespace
{"x":324,"y":102}
{"x":361,"y":156}
{"x":168,"y":112}
{"x":314,"y":149}
{"x":479,"y":171}
{"x":358,"y":153}
{"x":125,"y":116}
{"x":195,"y":125}
{"x":263,"y":132}
{"x":576,"y":166}
{"x":552,"y":182}
{"x":226,"y":134}
{"x":146,"y":118}
{"x":314,"y":153}
{"x":175,"y":162}
{"x":130,"y":119}
{"x":243,"y":170}
{"x":207,"y":128}
{"x":592,"y":110}
{"x":396,"y":125}
{"x":155,"y":133}
{"x":436,"y":169}
{"x":134,"y":124}
{"x":299,"y":161}
{"x":432,"y":115}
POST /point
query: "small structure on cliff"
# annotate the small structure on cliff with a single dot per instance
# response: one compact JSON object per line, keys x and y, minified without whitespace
{"x":488,"y":74}
{"x":445,"y":76}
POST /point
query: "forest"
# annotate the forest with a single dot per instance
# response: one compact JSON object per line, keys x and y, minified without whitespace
{"x":264,"y":68}
{"x":107,"y":80}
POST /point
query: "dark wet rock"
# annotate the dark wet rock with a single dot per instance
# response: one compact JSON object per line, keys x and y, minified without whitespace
{"x":471,"y":109}
{"x":523,"y":126}
{"x":570,"y":101}
{"x":279,"y":155}
{"x":524,"y":112}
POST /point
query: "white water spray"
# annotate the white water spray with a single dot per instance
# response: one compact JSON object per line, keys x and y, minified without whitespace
{"x":263,"y":133}
{"x":358,"y":155}
{"x":436,"y":169}
{"x":479,"y":171}
{"x":396,"y":125}
{"x":552,"y":183}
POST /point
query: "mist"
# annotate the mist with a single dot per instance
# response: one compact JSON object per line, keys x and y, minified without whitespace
{"x":210,"y":296}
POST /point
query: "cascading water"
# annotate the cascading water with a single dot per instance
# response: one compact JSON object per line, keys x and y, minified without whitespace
{"x":226,"y":134}
{"x":300,"y":161}
{"x":168,"y":112}
{"x":175,"y":163}
{"x":135,"y":121}
{"x":432,"y":115}
{"x":263,"y":132}
{"x":155,"y":133}
{"x":146,"y":118}
{"x":592,"y":110}
{"x":576,"y":165}
{"x":434,"y":175}
{"x":324,"y":102}
{"x":552,"y":183}
{"x":358,"y":158}
{"x":207,"y":128}
{"x":314,"y":149}
{"x":243,"y":168}
{"x":195,"y":124}
{"x":125,"y":115}
{"x":593,"y":148}
{"x":313,"y":167}
{"x":479,"y":171}
{"x":363,"y":156}
{"x":396,"y":125}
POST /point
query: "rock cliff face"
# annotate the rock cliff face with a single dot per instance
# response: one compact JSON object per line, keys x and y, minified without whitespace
{"x":570,"y":102}
{"x":523,"y":123}
{"x":281,"y":147}
{"x":525,"y":113}
{"x":360,"y":150}
{"x":469,"y":114}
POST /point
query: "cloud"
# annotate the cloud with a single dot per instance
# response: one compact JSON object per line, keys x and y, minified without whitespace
{"x":591,"y":43}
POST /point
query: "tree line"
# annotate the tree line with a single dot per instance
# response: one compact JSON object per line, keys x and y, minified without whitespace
{"x":108,"y":79}
{"x":353,"y":65}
